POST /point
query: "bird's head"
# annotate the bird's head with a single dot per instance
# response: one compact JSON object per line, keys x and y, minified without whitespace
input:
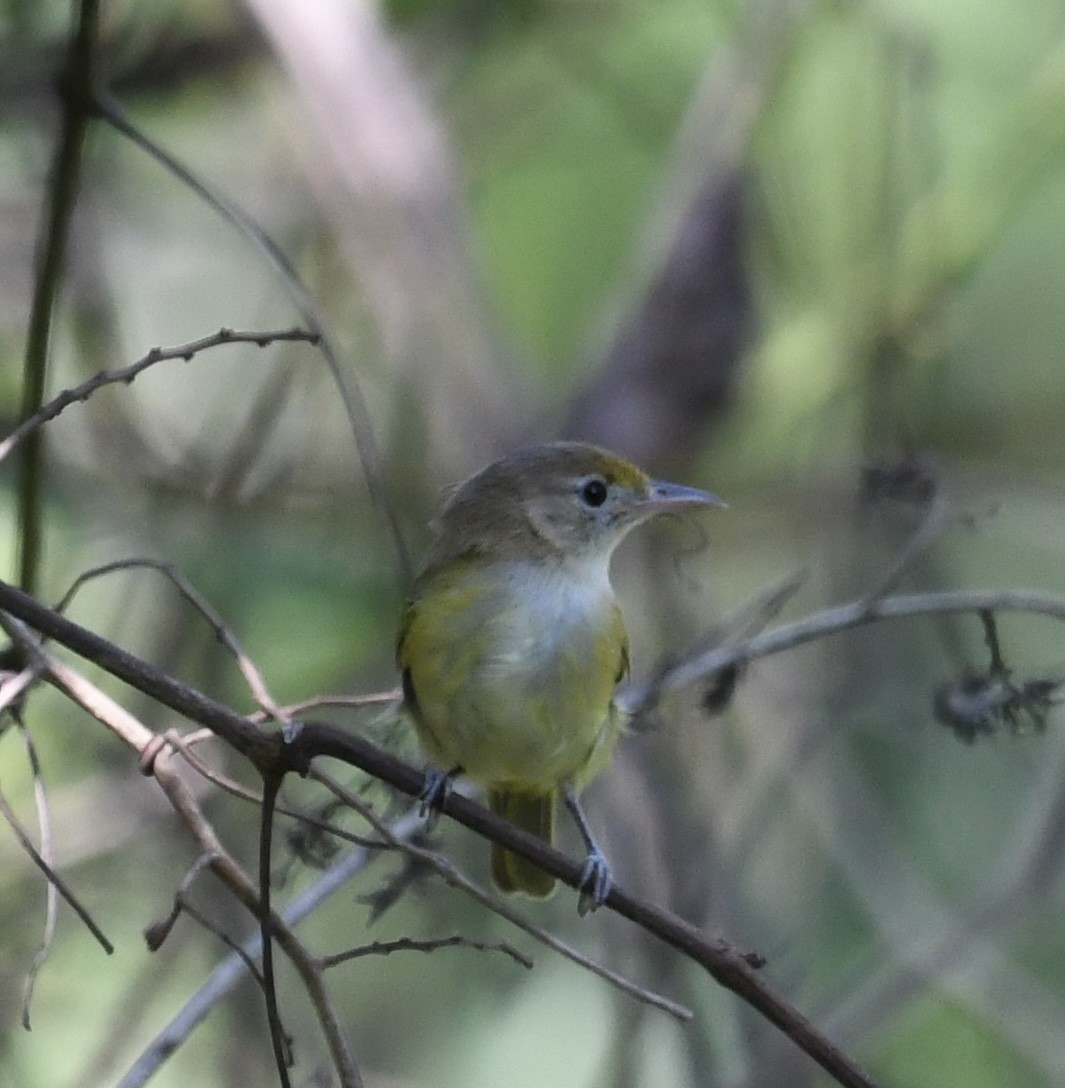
{"x":563,"y":500}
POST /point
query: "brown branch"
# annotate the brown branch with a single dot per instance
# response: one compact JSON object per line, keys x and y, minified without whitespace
{"x":44,"y":823}
{"x":158,"y":760}
{"x":157,"y":932}
{"x":14,"y":686}
{"x":258,"y":745}
{"x":317,"y":702}
{"x":52,"y":876}
{"x":125,"y":375}
{"x":279,"y":1040}
{"x":182,"y":744}
{"x":227,"y":974}
{"x":17,"y":631}
{"x":348,"y":388}
{"x":639,"y":697}
{"x":433,"y":944}
{"x":190,"y":593}
{"x":451,"y":874}
{"x":76,"y":89}
{"x":734,"y":970}
{"x":241,"y":885}
{"x":294,"y":750}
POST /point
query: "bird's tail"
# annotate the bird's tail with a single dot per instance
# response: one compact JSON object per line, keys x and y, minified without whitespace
{"x":534,"y":812}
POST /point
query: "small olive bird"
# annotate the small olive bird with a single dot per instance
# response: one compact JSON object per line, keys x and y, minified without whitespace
{"x":512,"y":643}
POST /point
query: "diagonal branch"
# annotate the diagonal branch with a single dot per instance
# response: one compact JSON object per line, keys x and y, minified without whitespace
{"x":158,"y":759}
{"x":232,"y":969}
{"x":351,"y":395}
{"x":54,"y":879}
{"x":273,"y":753}
{"x":452,"y":875}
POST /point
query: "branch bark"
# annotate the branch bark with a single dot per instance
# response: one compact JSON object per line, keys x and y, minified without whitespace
{"x":276,"y":753}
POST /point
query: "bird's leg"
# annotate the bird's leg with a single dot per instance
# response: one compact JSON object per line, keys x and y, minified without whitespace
{"x":434,"y":792}
{"x":596,"y":880}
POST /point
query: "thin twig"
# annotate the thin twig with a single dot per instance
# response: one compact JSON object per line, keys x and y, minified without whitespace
{"x":14,"y":686}
{"x":932,"y":525}
{"x":278,"y":1037}
{"x":232,"y":945}
{"x":998,"y":664}
{"x":126,"y":374}
{"x":454,"y":876}
{"x":750,"y":618}
{"x":44,"y":824}
{"x":318,"y":702}
{"x":242,"y":886}
{"x":22,"y":637}
{"x":223,"y":633}
{"x":834,"y":621}
{"x":157,"y":932}
{"x":53,"y":877}
{"x":243,"y":793}
{"x":351,"y":396}
{"x":409,"y":944}
{"x":181,"y":798}
{"x":230,"y":971}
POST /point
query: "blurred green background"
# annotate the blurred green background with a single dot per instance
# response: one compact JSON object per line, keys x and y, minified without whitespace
{"x":757,"y":247}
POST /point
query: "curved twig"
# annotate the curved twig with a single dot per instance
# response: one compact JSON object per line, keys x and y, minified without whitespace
{"x":126,"y":374}
{"x":638,"y":697}
{"x":348,"y":387}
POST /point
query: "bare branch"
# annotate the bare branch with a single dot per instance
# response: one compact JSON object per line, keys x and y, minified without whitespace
{"x":27,"y":641}
{"x":455,"y":877}
{"x":234,"y":877}
{"x":53,"y":877}
{"x":44,"y":822}
{"x":157,"y":932}
{"x":142,"y":740}
{"x":184,"y":745}
{"x":278,"y":1036}
{"x":125,"y":375}
{"x":409,"y":944}
{"x":77,"y":82}
{"x":231,"y":970}
{"x":998,"y":665}
{"x":233,"y":946}
{"x":318,"y":702}
{"x":298,"y":747}
{"x":186,"y":589}
{"x":347,"y":386}
{"x":637,"y":697}
{"x":14,"y":686}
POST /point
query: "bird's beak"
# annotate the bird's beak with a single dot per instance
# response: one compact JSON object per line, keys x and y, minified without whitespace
{"x":664,"y":497}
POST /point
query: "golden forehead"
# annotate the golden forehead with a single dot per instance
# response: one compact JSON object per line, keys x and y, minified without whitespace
{"x":573,"y":459}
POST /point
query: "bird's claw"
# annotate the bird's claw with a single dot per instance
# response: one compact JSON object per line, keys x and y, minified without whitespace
{"x":595,"y":883}
{"x":434,"y":793}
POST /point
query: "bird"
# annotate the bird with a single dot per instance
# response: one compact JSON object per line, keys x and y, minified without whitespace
{"x":512,"y":644}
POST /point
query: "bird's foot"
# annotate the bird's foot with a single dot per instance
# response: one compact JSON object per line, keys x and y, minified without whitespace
{"x":596,"y":882}
{"x":435,"y":791}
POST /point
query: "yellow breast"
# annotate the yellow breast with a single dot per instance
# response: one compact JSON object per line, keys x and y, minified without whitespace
{"x":511,"y":669}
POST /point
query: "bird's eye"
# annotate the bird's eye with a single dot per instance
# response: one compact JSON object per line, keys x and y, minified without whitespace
{"x":593,"y":492}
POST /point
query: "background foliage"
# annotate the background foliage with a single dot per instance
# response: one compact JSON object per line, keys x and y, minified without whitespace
{"x":758,"y":246}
